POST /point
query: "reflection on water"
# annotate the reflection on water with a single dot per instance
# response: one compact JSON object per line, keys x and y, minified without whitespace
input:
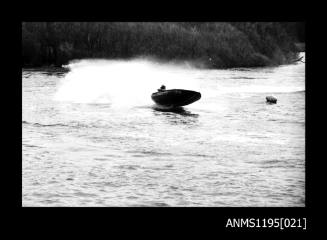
{"x":177,"y":110}
{"x":177,"y":116}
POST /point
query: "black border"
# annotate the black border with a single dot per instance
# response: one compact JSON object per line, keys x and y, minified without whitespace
{"x":206,"y":219}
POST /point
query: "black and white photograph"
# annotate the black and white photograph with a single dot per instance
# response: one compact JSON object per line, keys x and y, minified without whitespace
{"x":163,"y":114}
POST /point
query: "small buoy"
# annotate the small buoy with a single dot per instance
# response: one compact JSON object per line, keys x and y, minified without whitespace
{"x":271,"y":99}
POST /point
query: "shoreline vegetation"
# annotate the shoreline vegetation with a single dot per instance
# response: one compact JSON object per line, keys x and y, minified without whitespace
{"x":204,"y":44}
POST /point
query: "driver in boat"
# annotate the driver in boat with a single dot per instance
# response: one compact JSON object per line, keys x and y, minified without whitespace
{"x":162,"y":88}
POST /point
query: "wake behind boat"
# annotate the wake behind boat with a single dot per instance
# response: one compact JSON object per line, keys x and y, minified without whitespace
{"x":175,"y":97}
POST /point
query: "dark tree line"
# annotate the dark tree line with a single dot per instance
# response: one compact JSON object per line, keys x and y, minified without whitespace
{"x":220,"y":45}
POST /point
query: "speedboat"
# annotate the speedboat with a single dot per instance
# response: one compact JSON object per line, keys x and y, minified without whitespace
{"x":175,"y":97}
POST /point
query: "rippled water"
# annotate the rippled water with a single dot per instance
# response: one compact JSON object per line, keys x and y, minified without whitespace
{"x":92,"y":137}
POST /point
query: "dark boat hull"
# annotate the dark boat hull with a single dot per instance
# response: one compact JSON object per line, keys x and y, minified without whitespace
{"x":175,"y":97}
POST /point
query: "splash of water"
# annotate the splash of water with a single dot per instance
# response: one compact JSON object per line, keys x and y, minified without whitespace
{"x":121,"y":83}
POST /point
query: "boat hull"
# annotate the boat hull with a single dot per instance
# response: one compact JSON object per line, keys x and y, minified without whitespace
{"x":175,"y":97}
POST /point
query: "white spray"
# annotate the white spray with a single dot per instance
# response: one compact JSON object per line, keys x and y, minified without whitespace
{"x":121,"y":83}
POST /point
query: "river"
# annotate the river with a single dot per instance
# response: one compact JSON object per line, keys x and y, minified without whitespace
{"x":93,"y":137}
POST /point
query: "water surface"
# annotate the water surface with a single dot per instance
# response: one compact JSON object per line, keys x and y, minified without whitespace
{"x":92,"y":137}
